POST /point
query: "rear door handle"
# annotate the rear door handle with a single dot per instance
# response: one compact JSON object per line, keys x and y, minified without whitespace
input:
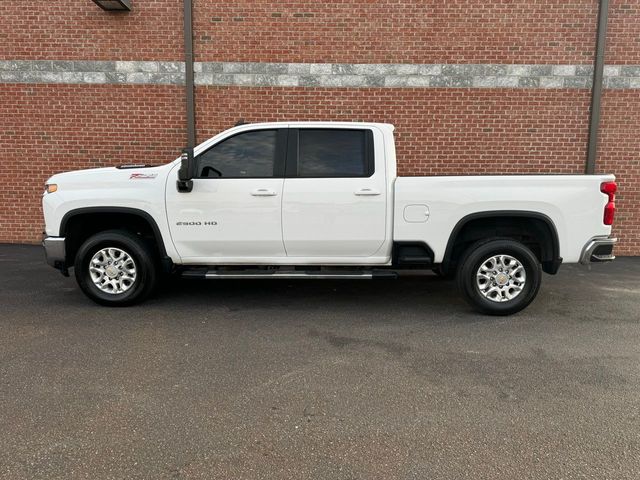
{"x":366,"y":192}
{"x":263,"y":192}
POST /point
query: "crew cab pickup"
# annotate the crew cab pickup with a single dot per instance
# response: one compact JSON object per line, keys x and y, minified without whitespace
{"x":319,"y":200}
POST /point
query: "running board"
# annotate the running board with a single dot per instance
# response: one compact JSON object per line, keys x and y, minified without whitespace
{"x":310,"y":275}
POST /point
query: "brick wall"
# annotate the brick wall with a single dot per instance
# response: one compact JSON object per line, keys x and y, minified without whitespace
{"x":619,"y":149}
{"x":48,"y":129}
{"x":619,"y":152}
{"x":79,"y":30}
{"x":406,"y":31}
{"x":623,"y":33}
{"x":56,"y":116}
{"x":438,"y":131}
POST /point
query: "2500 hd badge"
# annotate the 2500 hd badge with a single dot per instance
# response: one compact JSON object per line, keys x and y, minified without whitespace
{"x":196,"y":224}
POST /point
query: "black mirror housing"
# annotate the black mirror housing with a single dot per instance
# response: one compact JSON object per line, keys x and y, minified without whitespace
{"x":187,"y":171}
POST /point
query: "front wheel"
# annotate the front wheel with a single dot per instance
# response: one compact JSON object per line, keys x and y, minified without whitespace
{"x":499,"y":277}
{"x":116,"y":268}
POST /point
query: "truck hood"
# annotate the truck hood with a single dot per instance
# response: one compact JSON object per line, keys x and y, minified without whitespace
{"x":108,"y":176}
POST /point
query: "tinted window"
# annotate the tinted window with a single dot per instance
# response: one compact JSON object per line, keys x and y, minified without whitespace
{"x":250,"y":155}
{"x":332,"y":153}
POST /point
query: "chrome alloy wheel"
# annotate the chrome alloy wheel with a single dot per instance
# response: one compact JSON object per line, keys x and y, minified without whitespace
{"x":112,"y":270}
{"x":501,"y":278}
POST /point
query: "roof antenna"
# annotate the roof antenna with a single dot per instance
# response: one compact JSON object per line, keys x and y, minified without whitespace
{"x":240,"y":122}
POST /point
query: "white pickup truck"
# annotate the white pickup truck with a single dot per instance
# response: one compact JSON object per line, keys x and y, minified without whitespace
{"x":319,"y":200}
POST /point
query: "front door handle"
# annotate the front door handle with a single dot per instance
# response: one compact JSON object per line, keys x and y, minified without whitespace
{"x":263,"y":192}
{"x":366,"y":192}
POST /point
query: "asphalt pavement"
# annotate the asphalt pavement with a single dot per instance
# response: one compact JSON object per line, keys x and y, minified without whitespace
{"x":318,"y":379}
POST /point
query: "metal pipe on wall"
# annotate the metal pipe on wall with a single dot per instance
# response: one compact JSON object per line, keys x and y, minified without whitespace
{"x":188,"y":63}
{"x":596,"y":91}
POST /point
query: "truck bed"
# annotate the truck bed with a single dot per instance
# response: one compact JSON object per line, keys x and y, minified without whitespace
{"x":574,"y":203}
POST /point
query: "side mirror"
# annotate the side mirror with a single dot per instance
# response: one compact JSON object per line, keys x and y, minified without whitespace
{"x":186,"y":172}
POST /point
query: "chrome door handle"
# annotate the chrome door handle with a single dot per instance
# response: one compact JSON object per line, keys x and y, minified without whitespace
{"x":366,"y":192}
{"x":263,"y":192}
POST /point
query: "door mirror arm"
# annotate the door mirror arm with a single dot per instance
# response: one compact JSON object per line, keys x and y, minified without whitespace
{"x":186,"y":171}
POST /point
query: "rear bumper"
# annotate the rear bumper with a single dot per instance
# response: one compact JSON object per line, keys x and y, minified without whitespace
{"x":55,"y":252}
{"x":598,"y":249}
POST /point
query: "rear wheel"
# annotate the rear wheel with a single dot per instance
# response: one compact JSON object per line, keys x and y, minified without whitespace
{"x":116,"y":268}
{"x":499,"y":277}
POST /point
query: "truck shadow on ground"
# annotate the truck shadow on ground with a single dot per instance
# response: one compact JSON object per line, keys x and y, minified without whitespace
{"x":375,"y":298}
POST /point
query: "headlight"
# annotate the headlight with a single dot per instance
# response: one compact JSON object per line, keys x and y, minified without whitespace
{"x":50,"y":187}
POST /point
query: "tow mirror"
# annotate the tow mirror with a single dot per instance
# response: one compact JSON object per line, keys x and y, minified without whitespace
{"x":187,"y":171}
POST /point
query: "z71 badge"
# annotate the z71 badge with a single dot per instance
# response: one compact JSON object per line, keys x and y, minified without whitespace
{"x":142,"y":176}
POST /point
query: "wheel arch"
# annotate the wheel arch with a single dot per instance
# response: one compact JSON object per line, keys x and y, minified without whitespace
{"x":546,"y":231}
{"x":133,"y":216}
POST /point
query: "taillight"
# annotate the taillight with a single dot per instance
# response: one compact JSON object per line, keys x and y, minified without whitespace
{"x":610,"y":189}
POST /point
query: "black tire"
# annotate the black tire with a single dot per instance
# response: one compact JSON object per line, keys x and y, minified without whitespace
{"x":146,"y":266}
{"x":476,"y":256}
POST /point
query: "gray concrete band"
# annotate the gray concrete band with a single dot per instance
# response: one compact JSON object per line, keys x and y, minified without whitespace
{"x":254,"y":74}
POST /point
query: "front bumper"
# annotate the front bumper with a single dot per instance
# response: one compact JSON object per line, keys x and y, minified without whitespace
{"x":598,"y":249}
{"x":55,"y":252}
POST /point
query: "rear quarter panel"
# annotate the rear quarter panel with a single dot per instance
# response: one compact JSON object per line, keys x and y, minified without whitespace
{"x":574,"y":204}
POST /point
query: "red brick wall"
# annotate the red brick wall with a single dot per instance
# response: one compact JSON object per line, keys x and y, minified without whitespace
{"x":623,"y":33}
{"x":438,"y":131}
{"x":52,"y":128}
{"x":619,"y":153}
{"x":79,"y":30}
{"x":619,"y":149}
{"x":407,"y":31}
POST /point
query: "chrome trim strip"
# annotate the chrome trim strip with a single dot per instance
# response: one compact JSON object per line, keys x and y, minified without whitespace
{"x":290,"y":275}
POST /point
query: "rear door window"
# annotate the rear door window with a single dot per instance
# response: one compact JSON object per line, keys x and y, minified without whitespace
{"x":334,"y":153}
